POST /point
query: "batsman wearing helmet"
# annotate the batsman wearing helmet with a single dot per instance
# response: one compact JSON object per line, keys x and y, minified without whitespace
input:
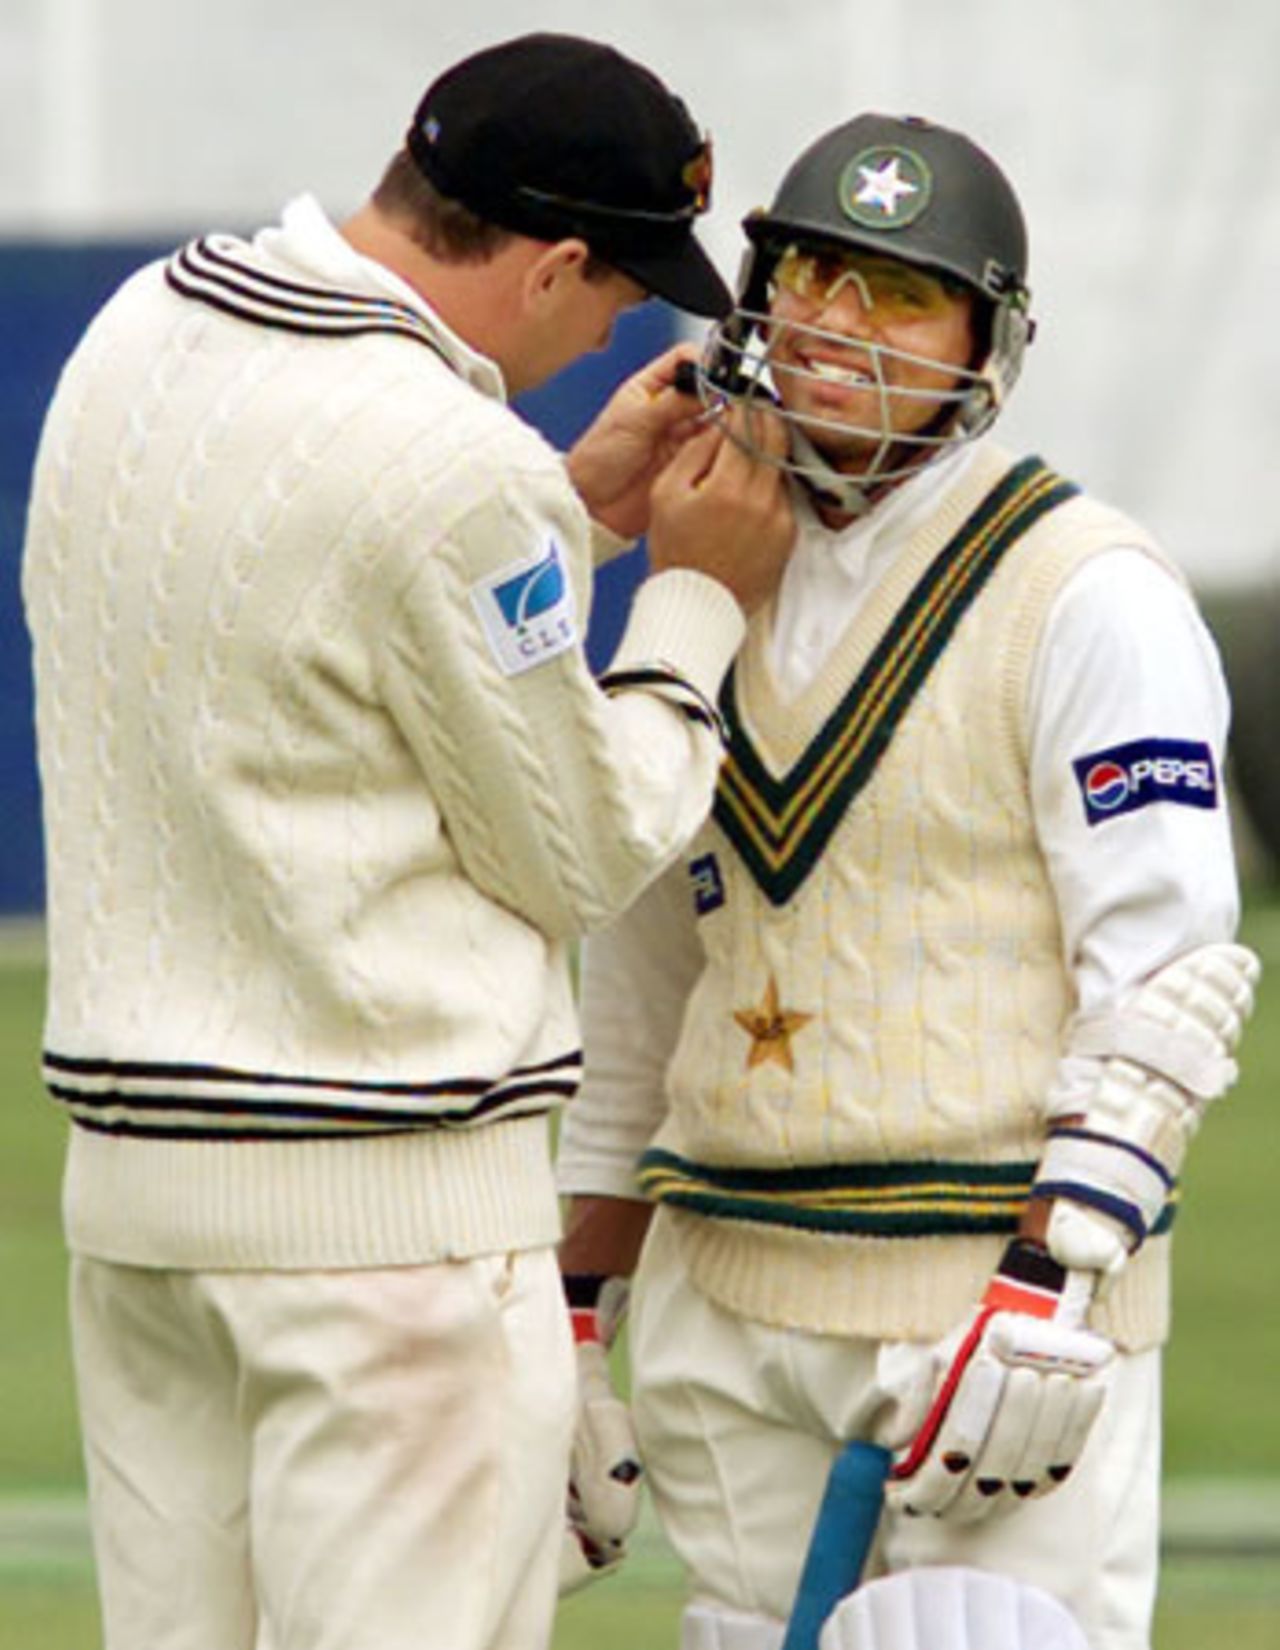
{"x":890,"y":1080}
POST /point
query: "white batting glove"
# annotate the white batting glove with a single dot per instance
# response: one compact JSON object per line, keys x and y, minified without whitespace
{"x":1018,"y":1390}
{"x":604,"y":1465}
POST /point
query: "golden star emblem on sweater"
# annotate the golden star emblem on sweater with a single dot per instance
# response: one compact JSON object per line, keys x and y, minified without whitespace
{"x":770,"y":1028}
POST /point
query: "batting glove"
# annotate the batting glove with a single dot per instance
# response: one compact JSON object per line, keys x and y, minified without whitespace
{"x":604,"y":1465}
{"x":1019,"y":1390}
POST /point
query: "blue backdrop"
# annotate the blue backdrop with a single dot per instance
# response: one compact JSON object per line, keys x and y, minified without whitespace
{"x":48,"y":292}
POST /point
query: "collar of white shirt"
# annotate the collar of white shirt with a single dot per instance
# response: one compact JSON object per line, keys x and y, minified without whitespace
{"x":832,"y":570}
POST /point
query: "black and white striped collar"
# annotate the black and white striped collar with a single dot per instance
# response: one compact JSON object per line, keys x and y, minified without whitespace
{"x":255,"y":282}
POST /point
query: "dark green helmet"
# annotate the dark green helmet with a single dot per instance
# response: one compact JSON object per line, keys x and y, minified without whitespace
{"x":907,"y":189}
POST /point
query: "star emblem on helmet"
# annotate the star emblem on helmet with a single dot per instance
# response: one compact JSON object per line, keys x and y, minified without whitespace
{"x":885,"y":188}
{"x":882,"y":185}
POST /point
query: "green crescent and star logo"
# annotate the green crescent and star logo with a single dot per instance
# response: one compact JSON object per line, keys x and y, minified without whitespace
{"x":885,"y":187}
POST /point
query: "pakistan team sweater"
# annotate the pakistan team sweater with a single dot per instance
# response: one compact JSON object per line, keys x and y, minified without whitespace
{"x":856,"y":1098}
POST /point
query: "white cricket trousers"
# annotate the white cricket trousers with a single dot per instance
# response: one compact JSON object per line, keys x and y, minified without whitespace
{"x":738,"y":1424}
{"x":361,"y":1460}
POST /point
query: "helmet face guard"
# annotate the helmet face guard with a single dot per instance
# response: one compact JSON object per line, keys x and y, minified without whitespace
{"x":920,"y":195}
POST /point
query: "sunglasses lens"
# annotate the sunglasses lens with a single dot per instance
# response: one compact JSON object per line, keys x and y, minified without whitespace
{"x":893,"y":291}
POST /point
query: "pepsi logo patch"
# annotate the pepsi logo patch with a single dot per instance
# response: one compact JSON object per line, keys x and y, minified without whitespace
{"x":1127,"y":777}
{"x":527,"y":611}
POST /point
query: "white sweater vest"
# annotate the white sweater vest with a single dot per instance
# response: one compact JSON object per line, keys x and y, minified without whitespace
{"x":856,"y":1097}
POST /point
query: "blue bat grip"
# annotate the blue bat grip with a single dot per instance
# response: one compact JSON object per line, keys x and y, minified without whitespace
{"x":842,"y":1535}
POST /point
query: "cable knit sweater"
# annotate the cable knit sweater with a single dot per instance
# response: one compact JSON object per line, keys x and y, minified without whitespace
{"x":856,"y":1100}
{"x":328,"y":785}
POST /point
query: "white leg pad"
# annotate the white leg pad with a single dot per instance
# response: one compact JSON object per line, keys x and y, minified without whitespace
{"x":950,"y":1609}
{"x":704,"y":1627}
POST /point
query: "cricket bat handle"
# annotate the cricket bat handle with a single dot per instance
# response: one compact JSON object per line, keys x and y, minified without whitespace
{"x":842,"y":1535}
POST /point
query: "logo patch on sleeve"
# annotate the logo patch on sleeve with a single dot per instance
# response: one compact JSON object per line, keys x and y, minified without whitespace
{"x":527,"y":611}
{"x":708,"y":884}
{"x":1127,"y":777}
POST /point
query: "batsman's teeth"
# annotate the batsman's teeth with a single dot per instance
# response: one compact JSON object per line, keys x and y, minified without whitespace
{"x":831,"y":373}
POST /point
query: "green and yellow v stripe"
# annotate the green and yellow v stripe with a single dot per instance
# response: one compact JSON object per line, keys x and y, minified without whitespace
{"x":780,"y":826}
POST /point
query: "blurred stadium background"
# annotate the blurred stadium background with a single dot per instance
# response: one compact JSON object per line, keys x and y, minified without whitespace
{"x":1145,"y":143}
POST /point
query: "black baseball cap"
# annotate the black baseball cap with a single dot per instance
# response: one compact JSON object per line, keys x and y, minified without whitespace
{"x":553,"y":136}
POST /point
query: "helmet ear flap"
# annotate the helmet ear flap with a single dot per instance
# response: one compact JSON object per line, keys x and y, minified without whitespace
{"x":1012,"y":329}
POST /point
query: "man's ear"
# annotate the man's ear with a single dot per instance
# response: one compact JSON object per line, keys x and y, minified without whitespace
{"x":554,"y":273}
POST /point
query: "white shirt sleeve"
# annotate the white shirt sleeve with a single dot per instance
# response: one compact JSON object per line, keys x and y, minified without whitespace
{"x":636,"y":979}
{"x":1126,"y":660}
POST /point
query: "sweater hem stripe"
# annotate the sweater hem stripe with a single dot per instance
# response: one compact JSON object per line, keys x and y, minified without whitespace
{"x":884,"y":1200}
{"x":252,"y":1105}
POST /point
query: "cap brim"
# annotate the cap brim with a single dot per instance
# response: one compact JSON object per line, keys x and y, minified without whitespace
{"x":687,"y":278}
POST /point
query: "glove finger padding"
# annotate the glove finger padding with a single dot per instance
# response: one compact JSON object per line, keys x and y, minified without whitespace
{"x":1068,"y":1408}
{"x":583,"y":1561}
{"x":1019,"y":1392}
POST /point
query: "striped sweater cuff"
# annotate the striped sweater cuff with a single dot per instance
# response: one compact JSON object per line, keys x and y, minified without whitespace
{"x":685,"y":623}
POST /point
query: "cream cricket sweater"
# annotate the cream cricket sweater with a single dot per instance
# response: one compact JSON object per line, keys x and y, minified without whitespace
{"x":855,"y":1104}
{"x":328,"y":786}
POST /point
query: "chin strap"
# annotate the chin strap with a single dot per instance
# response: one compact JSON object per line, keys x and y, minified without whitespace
{"x":823,"y":482}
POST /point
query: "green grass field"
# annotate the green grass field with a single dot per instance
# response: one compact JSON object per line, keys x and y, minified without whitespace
{"x":1222,"y":1568}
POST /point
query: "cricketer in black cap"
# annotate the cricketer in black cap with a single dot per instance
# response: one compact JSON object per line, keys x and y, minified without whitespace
{"x":385,"y":792}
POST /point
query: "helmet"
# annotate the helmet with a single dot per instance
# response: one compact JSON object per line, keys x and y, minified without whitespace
{"x":916,"y":192}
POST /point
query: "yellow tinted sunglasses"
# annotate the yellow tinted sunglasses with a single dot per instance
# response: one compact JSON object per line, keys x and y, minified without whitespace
{"x":894,"y":291}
